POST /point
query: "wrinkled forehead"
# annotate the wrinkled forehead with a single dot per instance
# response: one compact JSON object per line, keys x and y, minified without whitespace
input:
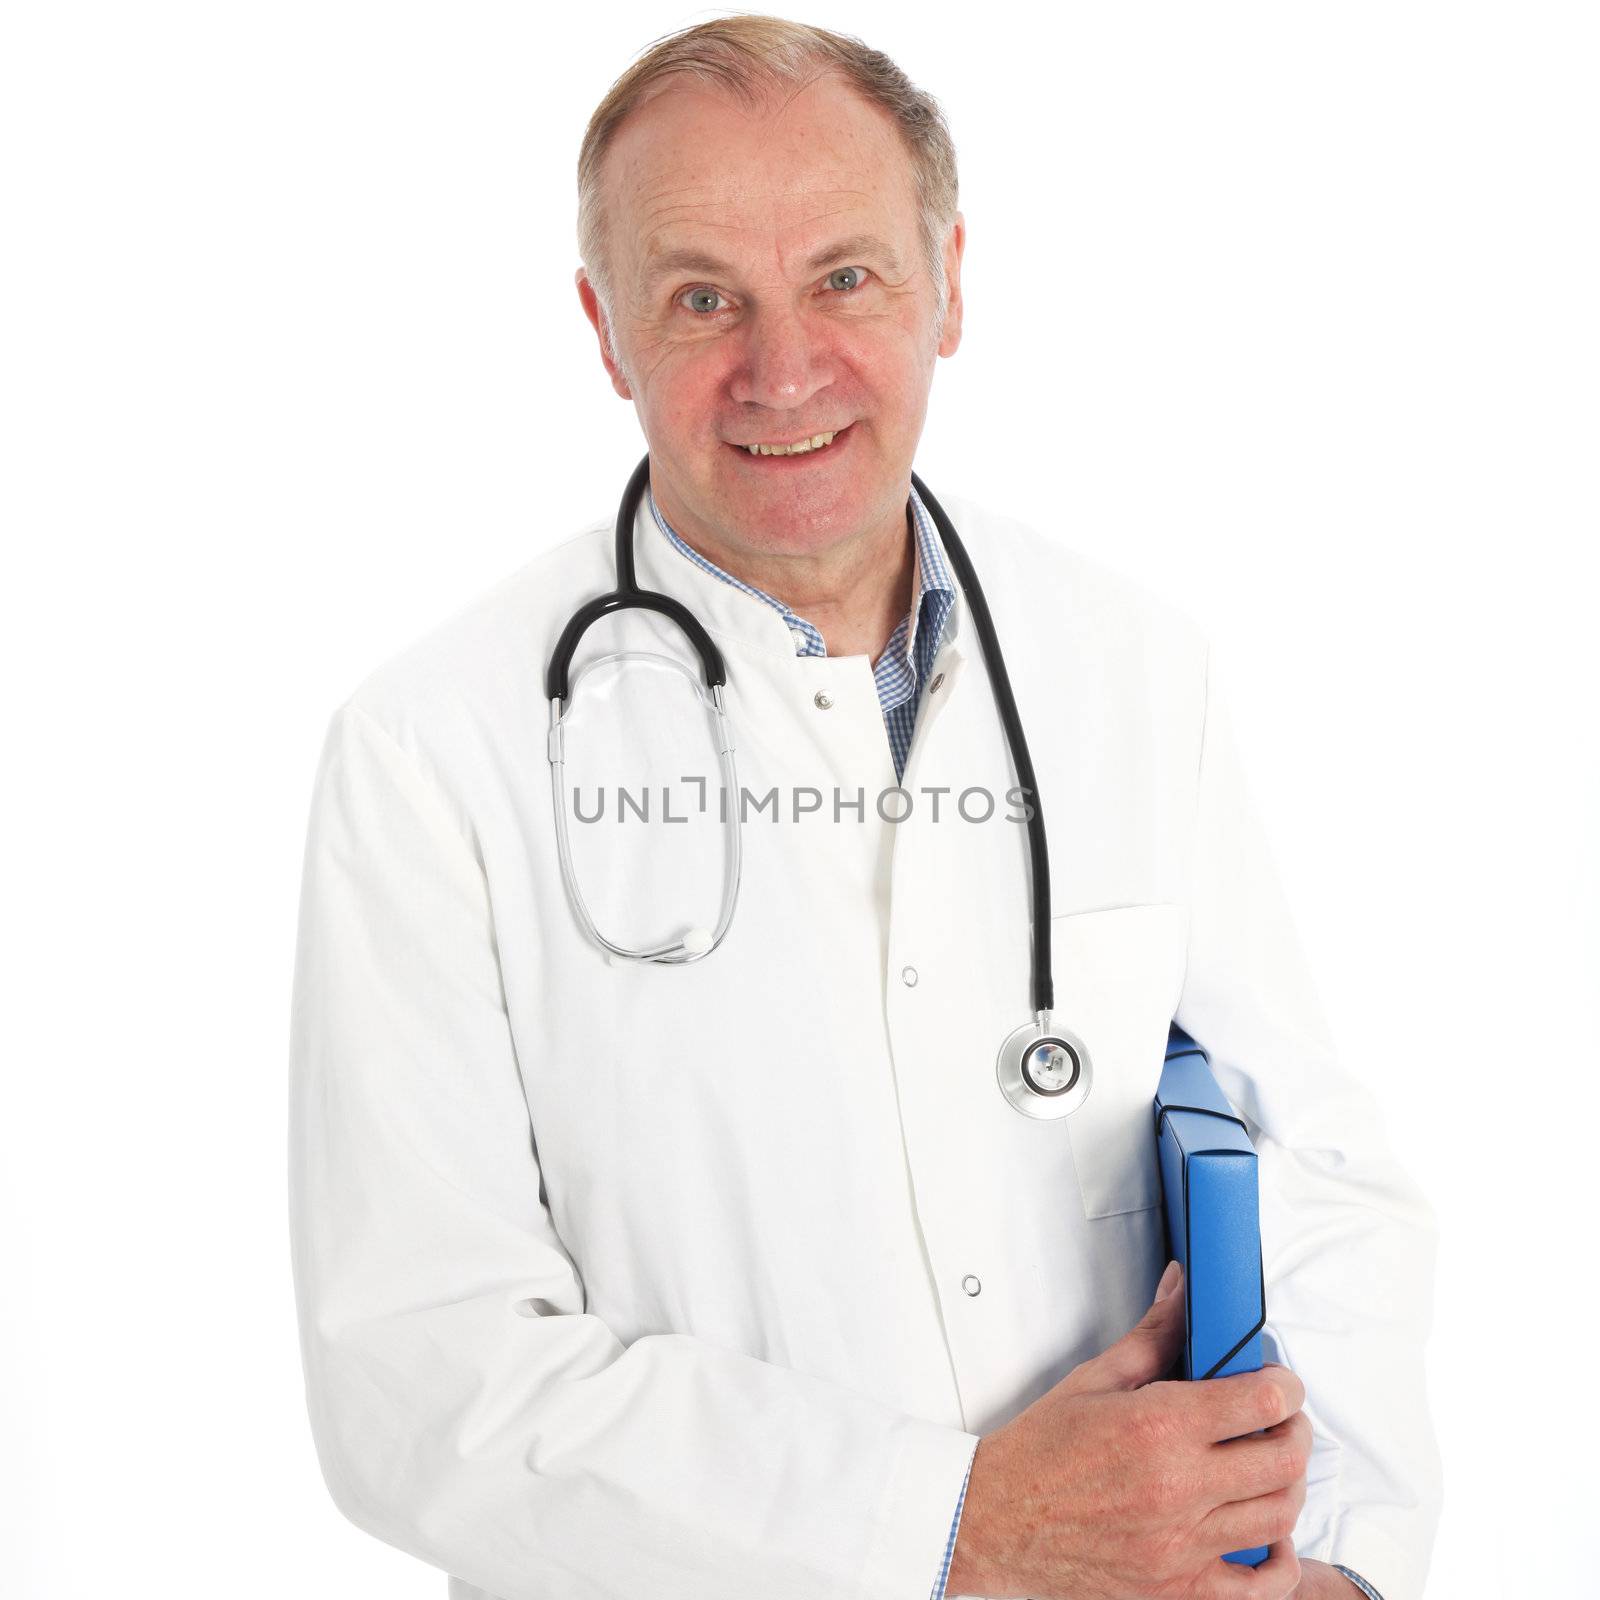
{"x":695,"y":173}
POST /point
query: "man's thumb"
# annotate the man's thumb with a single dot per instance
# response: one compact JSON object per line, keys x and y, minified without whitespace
{"x":1170,"y":1279}
{"x":1148,"y":1350}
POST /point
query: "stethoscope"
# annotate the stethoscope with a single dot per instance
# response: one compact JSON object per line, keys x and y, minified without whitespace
{"x":1043,"y":1069}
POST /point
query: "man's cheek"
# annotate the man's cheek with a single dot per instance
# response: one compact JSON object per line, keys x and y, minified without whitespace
{"x":679,"y":359}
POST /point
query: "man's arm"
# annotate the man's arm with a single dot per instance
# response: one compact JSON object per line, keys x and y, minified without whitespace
{"x":1348,"y":1240}
{"x":465,"y":1407}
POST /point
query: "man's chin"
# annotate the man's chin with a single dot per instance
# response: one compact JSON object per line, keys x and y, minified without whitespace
{"x":795,"y":516}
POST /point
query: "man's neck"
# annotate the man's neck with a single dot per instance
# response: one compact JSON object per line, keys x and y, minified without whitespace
{"x":854,"y":595}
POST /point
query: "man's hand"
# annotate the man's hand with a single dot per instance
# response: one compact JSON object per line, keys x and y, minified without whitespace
{"x":1117,"y":1485}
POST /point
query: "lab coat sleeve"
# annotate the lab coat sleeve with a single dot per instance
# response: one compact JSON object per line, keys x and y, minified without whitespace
{"x":1348,"y":1240}
{"x":464,"y":1406}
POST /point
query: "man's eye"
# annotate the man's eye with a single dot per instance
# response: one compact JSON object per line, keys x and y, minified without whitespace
{"x":701,"y":300}
{"x":704,"y":302}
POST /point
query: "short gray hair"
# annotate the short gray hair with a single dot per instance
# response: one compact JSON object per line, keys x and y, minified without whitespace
{"x":755,"y":56}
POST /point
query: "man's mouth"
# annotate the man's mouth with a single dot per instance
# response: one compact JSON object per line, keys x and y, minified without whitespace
{"x":807,"y":445}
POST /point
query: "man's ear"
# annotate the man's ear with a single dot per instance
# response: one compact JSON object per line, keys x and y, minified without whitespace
{"x":608,"y":355}
{"x":955,"y":243}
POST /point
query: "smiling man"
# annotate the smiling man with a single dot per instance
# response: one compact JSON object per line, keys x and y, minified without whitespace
{"x":737,"y":1275}
{"x":761,"y":278}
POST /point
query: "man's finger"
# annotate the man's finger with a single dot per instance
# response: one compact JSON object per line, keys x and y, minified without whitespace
{"x":1276,"y":1578}
{"x":1260,"y":1463}
{"x":1228,"y":1408}
{"x":1244,"y":1524}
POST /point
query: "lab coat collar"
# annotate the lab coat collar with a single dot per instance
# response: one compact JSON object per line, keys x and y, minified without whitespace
{"x":742,"y":620}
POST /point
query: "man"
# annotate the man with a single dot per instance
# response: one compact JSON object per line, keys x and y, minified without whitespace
{"x":739,"y":1276}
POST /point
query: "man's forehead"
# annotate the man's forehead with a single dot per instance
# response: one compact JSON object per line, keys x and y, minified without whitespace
{"x":703,"y":159}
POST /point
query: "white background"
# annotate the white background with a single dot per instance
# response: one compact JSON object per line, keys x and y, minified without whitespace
{"x":1288,"y":311}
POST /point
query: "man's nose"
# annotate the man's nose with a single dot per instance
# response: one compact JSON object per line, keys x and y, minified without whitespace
{"x":785,"y":359}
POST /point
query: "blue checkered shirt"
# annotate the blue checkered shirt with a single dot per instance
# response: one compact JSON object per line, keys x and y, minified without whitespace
{"x":903,"y":667}
{"x":899,"y":673}
{"x":1360,"y":1582}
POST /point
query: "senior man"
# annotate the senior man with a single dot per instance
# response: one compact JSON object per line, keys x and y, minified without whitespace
{"x":740,"y":1277}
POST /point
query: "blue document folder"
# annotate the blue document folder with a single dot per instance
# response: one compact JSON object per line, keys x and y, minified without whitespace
{"x":1211,"y":1196}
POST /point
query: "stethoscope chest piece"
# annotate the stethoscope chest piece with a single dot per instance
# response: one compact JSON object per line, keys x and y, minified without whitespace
{"x":1044,"y":1070}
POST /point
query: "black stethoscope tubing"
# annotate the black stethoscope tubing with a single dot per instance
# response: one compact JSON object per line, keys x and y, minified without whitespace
{"x":628,"y":595}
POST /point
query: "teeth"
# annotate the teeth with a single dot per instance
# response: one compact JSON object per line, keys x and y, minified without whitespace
{"x":815,"y":442}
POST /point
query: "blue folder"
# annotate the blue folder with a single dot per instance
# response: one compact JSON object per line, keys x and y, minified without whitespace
{"x":1211,"y":1195}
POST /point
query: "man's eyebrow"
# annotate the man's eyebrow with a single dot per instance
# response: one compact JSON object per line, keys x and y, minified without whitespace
{"x":843,"y":252}
{"x":857,"y":245}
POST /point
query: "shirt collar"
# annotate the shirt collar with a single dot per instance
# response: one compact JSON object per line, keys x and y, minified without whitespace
{"x":933,"y":593}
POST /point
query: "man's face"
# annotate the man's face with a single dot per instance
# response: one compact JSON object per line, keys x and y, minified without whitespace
{"x":769,"y":286}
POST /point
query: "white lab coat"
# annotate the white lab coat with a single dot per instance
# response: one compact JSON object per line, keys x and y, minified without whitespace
{"x":628,"y":1282}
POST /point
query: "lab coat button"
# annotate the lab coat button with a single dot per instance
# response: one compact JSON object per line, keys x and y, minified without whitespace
{"x":908,"y":976}
{"x":938,"y":678}
{"x":822,"y":699}
{"x":971,"y":1284}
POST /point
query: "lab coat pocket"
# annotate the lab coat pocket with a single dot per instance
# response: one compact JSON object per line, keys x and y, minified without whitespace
{"x":1118,"y":975}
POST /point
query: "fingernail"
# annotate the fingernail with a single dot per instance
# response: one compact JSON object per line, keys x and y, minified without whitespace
{"x":1169,"y":1280}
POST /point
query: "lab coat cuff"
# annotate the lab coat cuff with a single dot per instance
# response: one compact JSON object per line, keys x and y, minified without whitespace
{"x":1396,"y":1571}
{"x":913,"y":1523}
